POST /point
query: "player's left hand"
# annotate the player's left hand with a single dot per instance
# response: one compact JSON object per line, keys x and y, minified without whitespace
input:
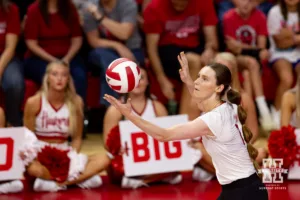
{"x":125,"y":109}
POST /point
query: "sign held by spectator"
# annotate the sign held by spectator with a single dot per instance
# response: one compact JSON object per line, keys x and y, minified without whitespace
{"x":11,"y":165}
{"x":143,"y":155}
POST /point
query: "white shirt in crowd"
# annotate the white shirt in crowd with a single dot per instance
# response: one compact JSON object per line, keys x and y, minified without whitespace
{"x":275,"y":23}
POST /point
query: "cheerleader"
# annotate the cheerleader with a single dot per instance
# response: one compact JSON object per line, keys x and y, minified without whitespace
{"x":290,"y":107}
{"x":222,"y":128}
{"x":54,"y":114}
{"x":147,"y":108}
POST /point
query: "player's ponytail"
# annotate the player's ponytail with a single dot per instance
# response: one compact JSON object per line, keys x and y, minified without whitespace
{"x":223,"y":77}
{"x":235,"y":98}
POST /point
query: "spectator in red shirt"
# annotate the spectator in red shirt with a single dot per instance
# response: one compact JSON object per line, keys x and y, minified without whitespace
{"x":53,"y":32}
{"x":172,"y":26}
{"x":11,"y":70}
{"x":245,"y":30}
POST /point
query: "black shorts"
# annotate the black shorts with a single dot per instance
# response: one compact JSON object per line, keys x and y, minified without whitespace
{"x":168,"y":57}
{"x":250,"y":188}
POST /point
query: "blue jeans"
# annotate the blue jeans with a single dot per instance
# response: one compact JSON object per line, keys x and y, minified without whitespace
{"x":102,"y":57}
{"x":35,"y":69}
{"x":12,"y":84}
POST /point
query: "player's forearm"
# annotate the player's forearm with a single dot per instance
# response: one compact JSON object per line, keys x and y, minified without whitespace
{"x":178,"y":132}
{"x":153,"y":130}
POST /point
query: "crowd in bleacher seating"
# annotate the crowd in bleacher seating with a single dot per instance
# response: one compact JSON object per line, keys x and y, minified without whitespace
{"x":250,"y":37}
{"x":259,"y":33}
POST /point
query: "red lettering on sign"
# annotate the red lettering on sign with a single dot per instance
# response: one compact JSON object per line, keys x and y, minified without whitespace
{"x":9,"y":142}
{"x":136,"y":148}
{"x":175,"y":154}
{"x":140,"y":147}
{"x":156,"y":149}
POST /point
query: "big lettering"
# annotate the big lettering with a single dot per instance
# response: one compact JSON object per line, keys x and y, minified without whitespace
{"x":9,"y":142}
{"x":143,"y":147}
{"x":140,"y":147}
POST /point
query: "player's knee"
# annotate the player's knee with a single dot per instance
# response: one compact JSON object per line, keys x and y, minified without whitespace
{"x":35,"y":170}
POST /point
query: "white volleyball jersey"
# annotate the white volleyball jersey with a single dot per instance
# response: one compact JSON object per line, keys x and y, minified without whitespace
{"x":148,"y":112}
{"x":227,"y":147}
{"x":52,"y":123}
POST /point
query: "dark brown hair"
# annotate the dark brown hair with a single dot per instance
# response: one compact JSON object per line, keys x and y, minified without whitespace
{"x":223,"y":77}
{"x":4,"y":5}
{"x":65,"y":10}
{"x":284,"y":10}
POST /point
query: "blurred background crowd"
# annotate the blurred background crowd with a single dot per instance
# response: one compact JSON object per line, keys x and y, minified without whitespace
{"x":257,"y":39}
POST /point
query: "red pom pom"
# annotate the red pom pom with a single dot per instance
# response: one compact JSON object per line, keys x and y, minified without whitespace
{"x":113,"y":141}
{"x":116,"y":169}
{"x":56,"y":161}
{"x":282,"y":144}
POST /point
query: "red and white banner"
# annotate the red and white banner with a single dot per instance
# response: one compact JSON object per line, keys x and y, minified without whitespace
{"x":294,"y":170}
{"x":144,"y":155}
{"x":11,"y":166}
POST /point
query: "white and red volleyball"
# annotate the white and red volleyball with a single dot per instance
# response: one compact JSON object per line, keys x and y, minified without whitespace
{"x":123,"y":75}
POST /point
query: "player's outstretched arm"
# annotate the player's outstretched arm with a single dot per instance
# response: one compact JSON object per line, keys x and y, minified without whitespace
{"x":187,"y":130}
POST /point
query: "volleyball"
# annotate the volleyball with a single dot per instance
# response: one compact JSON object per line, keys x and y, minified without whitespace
{"x":123,"y":75}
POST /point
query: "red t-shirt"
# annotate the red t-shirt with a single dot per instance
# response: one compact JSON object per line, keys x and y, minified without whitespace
{"x":245,"y":30}
{"x":54,"y":38}
{"x":9,"y":23}
{"x":181,"y":29}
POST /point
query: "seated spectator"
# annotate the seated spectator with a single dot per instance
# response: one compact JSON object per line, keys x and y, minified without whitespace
{"x":283,"y":27}
{"x":52,"y":32}
{"x":173,"y":26}
{"x":112,"y":32}
{"x":245,"y":30}
{"x":230,"y":61}
{"x":2,"y":118}
{"x":224,"y":5}
{"x":11,"y":70}
{"x":290,"y":108}
{"x":147,"y":108}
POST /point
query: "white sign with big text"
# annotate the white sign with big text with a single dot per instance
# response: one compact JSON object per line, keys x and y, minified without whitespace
{"x":11,"y":166}
{"x":144,"y":155}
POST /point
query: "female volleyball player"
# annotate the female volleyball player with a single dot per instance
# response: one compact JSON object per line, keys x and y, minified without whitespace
{"x":54,"y":114}
{"x":222,"y":127}
{"x":147,"y":108}
{"x":290,"y":107}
